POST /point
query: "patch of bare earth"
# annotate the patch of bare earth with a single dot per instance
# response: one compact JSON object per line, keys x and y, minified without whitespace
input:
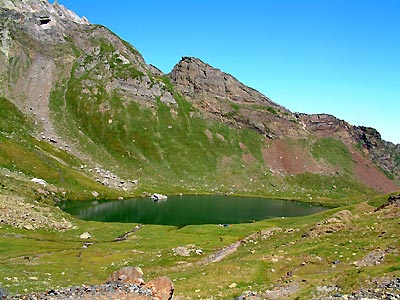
{"x":369,"y":175}
{"x":225,"y":163}
{"x":247,"y":157}
{"x":281,"y":291}
{"x":230,"y":249}
{"x":281,"y":157}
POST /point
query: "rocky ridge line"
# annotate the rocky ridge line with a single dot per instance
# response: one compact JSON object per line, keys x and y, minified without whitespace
{"x":44,"y":10}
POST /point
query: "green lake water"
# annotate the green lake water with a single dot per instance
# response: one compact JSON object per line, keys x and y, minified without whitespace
{"x":187,"y":210}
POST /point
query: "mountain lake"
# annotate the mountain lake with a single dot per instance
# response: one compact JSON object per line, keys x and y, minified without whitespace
{"x":187,"y":210}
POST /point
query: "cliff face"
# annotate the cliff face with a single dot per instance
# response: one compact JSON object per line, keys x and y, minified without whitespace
{"x":86,"y":91}
{"x":197,"y":80}
{"x":384,"y":154}
{"x":222,"y":97}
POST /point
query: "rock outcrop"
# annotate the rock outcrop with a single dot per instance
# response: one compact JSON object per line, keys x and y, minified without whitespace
{"x":44,"y":10}
{"x":161,"y":288}
{"x":196,"y":79}
{"x":132,"y":275}
{"x":324,"y":125}
{"x":16,"y":212}
{"x":222,"y":97}
{"x":384,"y":154}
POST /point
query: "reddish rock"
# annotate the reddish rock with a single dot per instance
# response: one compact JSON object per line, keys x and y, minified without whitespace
{"x":162,"y":287}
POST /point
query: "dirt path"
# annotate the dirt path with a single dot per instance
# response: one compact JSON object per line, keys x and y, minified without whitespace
{"x":124,"y":236}
{"x":221,"y":254}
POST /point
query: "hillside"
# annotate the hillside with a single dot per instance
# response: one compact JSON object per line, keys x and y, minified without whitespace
{"x":87,"y":96}
{"x":83,"y":116}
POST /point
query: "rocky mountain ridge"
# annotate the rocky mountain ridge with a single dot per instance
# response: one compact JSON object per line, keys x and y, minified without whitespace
{"x":217,"y":93}
{"x":44,"y":11}
{"x":91,"y":94}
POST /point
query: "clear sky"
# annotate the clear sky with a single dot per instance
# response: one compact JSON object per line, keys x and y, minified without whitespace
{"x":340,"y":57}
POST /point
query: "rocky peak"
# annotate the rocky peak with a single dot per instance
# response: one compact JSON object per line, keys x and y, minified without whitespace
{"x":43,"y":10}
{"x":369,"y":136}
{"x":196,"y":79}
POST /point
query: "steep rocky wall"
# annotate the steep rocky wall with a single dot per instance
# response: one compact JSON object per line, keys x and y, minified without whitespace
{"x":384,"y":154}
{"x":220,"y":96}
{"x":197,"y":80}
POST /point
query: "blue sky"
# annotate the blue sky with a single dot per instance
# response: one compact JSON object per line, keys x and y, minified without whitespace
{"x":340,"y":57}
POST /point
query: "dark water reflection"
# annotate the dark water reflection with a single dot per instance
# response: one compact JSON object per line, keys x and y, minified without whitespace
{"x":186,"y":210}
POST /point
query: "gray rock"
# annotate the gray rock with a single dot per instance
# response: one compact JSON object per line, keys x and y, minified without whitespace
{"x":3,"y":293}
{"x":85,"y":236}
{"x":158,"y":197}
{"x":181,"y":251}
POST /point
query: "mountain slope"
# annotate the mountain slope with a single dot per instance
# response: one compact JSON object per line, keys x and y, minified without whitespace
{"x":89,"y":95}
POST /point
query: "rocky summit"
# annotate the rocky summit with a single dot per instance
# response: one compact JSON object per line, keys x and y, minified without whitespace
{"x":84,"y":117}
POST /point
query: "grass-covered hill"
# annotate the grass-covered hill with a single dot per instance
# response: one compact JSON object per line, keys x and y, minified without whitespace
{"x":82,"y":116}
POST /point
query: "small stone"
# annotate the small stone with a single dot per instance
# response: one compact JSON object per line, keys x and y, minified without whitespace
{"x":233,"y":285}
{"x":85,"y":236}
{"x":39,"y":181}
{"x":29,"y":227}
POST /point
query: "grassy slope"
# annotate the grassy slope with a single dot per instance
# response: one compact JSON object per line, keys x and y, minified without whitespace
{"x":57,"y":259}
{"x":22,"y":154}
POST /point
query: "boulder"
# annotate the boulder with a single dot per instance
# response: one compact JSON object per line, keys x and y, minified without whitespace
{"x":3,"y":293}
{"x":181,"y":251}
{"x":39,"y":181}
{"x":158,"y":197}
{"x":131,"y":275}
{"x":85,"y":236}
{"x":162,"y":288}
